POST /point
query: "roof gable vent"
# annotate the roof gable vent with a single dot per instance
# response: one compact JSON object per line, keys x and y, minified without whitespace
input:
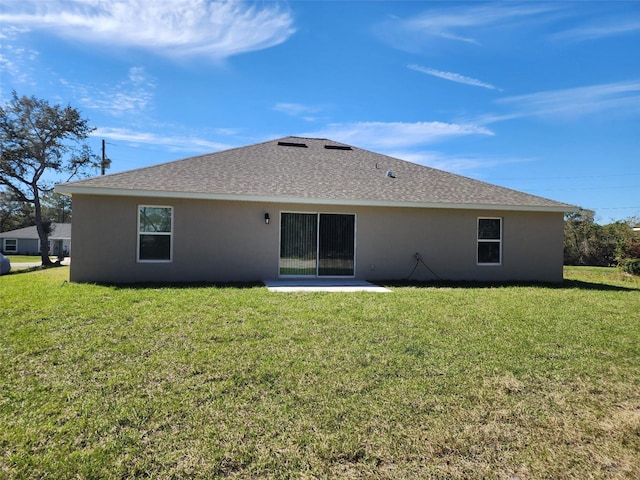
{"x":338,"y":147}
{"x":292,"y":144}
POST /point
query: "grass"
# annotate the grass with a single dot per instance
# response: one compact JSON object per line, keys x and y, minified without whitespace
{"x":452,"y":381}
{"x":27,"y":258}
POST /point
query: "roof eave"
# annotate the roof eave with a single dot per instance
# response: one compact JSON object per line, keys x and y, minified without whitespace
{"x":69,"y":189}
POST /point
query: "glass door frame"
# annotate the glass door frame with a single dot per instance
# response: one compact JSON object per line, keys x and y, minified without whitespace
{"x":317,"y":244}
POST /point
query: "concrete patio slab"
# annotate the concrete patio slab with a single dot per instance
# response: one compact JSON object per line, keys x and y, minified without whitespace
{"x":323,"y":285}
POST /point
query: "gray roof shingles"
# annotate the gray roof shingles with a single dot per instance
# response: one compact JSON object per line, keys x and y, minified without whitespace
{"x":271,"y":170}
{"x":59,"y":231}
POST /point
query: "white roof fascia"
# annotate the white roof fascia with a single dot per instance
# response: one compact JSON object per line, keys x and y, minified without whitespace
{"x":123,"y":192}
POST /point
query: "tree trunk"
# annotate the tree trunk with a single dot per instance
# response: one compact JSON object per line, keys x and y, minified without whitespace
{"x":44,"y":245}
{"x":43,"y":231}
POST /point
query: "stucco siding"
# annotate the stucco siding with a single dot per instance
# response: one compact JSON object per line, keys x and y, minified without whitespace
{"x":229,"y":241}
{"x":388,"y":240}
{"x":212,"y":241}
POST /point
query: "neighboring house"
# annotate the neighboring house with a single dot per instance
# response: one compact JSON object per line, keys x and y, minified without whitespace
{"x":308,"y":207}
{"x":25,"y":241}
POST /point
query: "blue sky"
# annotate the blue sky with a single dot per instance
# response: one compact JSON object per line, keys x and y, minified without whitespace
{"x":540,"y":97}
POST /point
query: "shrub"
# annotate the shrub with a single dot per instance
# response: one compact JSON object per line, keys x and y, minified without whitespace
{"x":631,"y":266}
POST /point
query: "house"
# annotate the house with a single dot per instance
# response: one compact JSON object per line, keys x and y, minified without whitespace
{"x":308,"y":207}
{"x":25,"y":241}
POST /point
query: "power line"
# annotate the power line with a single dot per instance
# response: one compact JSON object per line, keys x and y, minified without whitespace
{"x":613,"y":208}
{"x":565,"y":177}
{"x":563,"y":189}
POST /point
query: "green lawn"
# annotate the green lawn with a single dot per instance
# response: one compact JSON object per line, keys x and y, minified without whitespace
{"x":26,"y":258}
{"x":457,"y":381}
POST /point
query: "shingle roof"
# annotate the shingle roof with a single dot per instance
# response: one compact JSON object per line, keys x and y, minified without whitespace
{"x":310,"y":170}
{"x":59,"y":231}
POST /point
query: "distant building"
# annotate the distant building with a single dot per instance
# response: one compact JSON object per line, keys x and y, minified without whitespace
{"x":25,"y":241}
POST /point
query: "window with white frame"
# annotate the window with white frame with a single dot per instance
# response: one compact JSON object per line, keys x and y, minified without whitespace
{"x":155,"y":233}
{"x":10,"y":245}
{"x":489,"y":241}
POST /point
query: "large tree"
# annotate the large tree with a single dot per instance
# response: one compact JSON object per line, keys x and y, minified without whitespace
{"x":39,"y":143}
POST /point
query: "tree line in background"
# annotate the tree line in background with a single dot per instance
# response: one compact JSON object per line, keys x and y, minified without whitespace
{"x":588,"y":243}
{"x":16,"y":214}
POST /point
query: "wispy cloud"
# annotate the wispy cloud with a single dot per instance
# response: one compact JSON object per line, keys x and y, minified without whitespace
{"x":133,"y":95}
{"x":385,"y":135}
{"x":458,"y":24}
{"x":15,"y":62}
{"x":455,"y":163}
{"x":576,"y":102}
{"x":605,"y":28}
{"x":217,"y":29}
{"x":453,"y":77}
{"x":176,"y":143}
{"x":137,"y":75}
{"x":10,"y":32}
{"x":306,"y":112}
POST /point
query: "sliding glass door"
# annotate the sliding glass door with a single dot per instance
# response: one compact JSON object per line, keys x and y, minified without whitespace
{"x":313,"y":244}
{"x":335,"y":245}
{"x":298,"y":237}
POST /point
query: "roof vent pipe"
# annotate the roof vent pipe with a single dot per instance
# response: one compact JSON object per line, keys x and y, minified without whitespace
{"x":390,"y":174}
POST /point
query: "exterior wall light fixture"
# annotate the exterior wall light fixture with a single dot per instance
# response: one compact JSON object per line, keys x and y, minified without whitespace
{"x":266,"y":218}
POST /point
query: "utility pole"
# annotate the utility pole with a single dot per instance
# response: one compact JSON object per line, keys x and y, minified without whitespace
{"x":105,"y":161}
{"x":102,"y":164}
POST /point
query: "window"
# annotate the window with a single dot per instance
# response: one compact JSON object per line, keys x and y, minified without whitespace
{"x":10,"y":245}
{"x":489,"y":241}
{"x":155,"y":231}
